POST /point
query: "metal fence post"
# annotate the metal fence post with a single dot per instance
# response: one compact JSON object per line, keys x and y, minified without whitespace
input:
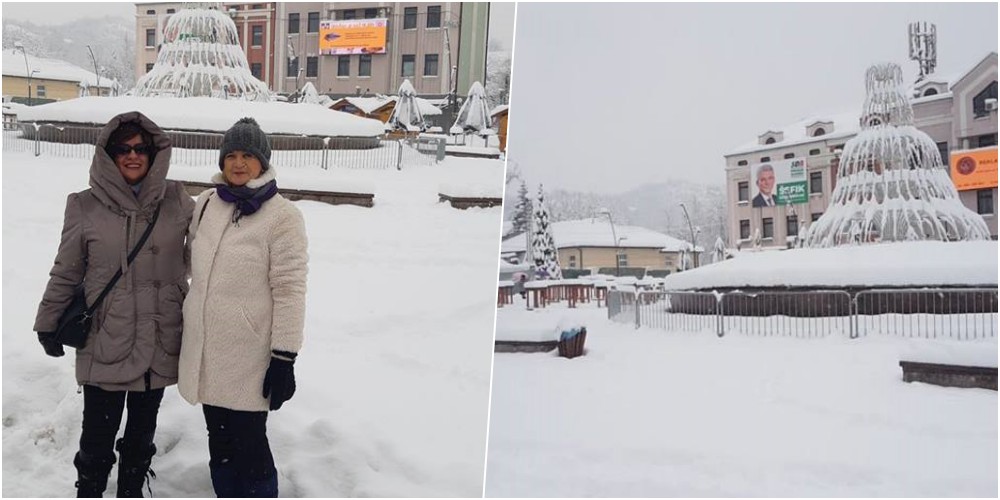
{"x":719,"y":328}
{"x":854,"y":317}
{"x":638,"y":297}
{"x":38,"y":146}
{"x":441,"y":150}
{"x":326,"y":146}
{"x":399,"y":156}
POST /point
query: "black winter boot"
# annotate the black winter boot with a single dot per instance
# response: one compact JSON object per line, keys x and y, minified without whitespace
{"x":133,"y":468}
{"x":92,"y":474}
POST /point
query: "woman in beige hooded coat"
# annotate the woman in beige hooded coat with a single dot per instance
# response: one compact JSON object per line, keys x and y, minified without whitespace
{"x":244,"y":317}
{"x":132,"y":348}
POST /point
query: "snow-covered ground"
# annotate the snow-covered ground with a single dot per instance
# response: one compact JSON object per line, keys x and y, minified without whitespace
{"x":655,"y":413}
{"x":393,"y":378}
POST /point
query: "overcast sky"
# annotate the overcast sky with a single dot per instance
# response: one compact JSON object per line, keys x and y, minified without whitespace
{"x":501,"y":14}
{"x":609,"y":97}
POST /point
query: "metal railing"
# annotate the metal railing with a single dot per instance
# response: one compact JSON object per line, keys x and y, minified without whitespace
{"x":200,"y":149}
{"x":946,"y":313}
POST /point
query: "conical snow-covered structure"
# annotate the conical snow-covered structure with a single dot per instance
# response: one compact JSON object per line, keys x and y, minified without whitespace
{"x":406,"y":114}
{"x":474,"y":115}
{"x":719,"y":250}
{"x":201,"y":56}
{"x":543,"y":245}
{"x":891,"y":184}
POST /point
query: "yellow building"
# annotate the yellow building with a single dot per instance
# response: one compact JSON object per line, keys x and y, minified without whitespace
{"x":51,"y":79}
{"x":596,"y":244}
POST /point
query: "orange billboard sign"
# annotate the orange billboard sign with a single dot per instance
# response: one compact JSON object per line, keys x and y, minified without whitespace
{"x":974,"y":169}
{"x":356,"y":36}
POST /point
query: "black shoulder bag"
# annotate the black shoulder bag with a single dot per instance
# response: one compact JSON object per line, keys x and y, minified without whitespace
{"x":74,"y":324}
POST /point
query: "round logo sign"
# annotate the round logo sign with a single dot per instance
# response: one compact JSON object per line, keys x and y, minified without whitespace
{"x":966,"y":165}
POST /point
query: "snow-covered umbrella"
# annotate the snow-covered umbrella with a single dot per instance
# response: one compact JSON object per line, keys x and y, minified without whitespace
{"x":406,"y":114}
{"x":474,"y":115}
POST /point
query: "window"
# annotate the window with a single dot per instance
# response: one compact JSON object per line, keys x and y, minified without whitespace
{"x":767,"y":224}
{"x":789,"y":155}
{"x":815,"y":217}
{"x":815,"y":182}
{"x":151,"y":38}
{"x":792,"y":223}
{"x":40,"y":90}
{"x":943,"y":150}
{"x":343,"y":65}
{"x":149,"y":67}
{"x":348,"y":14}
{"x":293,"y":67}
{"x":312,"y":66}
{"x":742,"y":163}
{"x":313,"y":23}
{"x":984,"y":197}
{"x":813,"y":152}
{"x":257,"y":6}
{"x":150,"y":12}
{"x":743,"y":191}
{"x":430,"y":65}
{"x":410,"y":18}
{"x":622,"y":259}
{"x":744,"y":229}
{"x":257,"y":70}
{"x":979,"y":102}
{"x":765,"y":159}
{"x":293,"y":23}
{"x":433,"y":16}
{"x":572,"y":261}
{"x":770,"y":140}
{"x":365,"y":65}
{"x":987,"y":140}
{"x":409,"y":64}
{"x":256,"y":35}
{"x":818,"y":132}
{"x":930,"y":92}
{"x":371,"y":13}
{"x":171,"y":11}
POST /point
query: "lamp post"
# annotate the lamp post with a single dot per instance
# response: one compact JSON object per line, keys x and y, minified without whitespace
{"x":694,"y":242}
{"x":20,"y":46}
{"x":618,"y":260}
{"x":96,"y":70}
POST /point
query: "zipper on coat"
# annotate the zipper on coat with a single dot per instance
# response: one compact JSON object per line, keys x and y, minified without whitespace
{"x":147,"y":377}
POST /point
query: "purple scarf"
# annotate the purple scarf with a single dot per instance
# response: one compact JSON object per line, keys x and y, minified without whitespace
{"x":247,"y":200}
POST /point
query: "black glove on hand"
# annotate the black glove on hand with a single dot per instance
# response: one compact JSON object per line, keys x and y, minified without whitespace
{"x":52,"y":346}
{"x":279,"y":381}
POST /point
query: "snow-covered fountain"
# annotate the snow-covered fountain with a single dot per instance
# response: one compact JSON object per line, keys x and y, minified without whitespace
{"x":894,"y":221}
{"x":201,"y":56}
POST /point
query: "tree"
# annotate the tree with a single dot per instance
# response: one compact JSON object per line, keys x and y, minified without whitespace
{"x":522,"y":212}
{"x":542,"y":243}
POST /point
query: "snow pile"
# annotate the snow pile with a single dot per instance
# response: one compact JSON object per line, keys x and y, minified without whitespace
{"x":311,"y":95}
{"x":474,"y":115}
{"x":393,"y":378}
{"x":891,"y":183}
{"x":201,"y":56}
{"x":916,"y":264}
{"x":647,"y":413}
{"x":371,"y":104}
{"x":48,"y":69}
{"x":210,"y":115}
{"x":597,"y":232}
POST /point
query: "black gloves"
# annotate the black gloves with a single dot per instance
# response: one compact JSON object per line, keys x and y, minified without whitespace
{"x":52,"y":346}
{"x":279,"y":381}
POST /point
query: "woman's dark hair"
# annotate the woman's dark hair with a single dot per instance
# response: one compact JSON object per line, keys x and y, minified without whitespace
{"x":126,"y":131}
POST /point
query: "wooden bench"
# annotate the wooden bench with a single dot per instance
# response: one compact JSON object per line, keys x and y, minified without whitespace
{"x":950,"y":375}
{"x":524,"y":346}
{"x":463,"y":203}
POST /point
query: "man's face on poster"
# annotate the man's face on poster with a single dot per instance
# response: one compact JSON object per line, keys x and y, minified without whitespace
{"x":765,"y":181}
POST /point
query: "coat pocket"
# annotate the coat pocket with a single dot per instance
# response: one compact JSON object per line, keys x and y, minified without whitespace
{"x":171,"y":319}
{"x":250,"y":323}
{"x":115,"y":336}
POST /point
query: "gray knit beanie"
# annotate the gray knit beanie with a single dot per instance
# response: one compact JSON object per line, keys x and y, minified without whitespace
{"x":246,"y":135}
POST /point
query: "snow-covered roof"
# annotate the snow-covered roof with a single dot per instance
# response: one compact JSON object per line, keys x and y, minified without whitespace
{"x":499,"y":109}
{"x":844,"y":125}
{"x":597,"y":233}
{"x":924,"y":263}
{"x":210,"y":114}
{"x":14,"y":107}
{"x":48,"y":69}
{"x":371,"y":104}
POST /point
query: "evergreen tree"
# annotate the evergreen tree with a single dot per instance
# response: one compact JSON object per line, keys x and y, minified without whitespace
{"x":543,"y":245}
{"x":522,"y":212}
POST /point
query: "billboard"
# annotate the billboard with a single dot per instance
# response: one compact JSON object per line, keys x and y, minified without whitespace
{"x":355,"y":36}
{"x":974,"y":169}
{"x":781,"y":182}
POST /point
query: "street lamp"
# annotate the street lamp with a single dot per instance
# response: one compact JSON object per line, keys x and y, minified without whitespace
{"x":618,"y":260}
{"x":96,"y":70}
{"x":20,"y":46}
{"x":694,"y":238}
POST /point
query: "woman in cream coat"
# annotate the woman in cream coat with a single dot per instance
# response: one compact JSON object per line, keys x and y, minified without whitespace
{"x":244,"y":314}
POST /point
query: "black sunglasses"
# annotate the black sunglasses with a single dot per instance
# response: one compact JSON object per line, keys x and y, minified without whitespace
{"x":124,"y":149}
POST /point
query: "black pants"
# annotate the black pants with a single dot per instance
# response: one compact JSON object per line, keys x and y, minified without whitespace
{"x":102,"y":416}
{"x":240,"y":456}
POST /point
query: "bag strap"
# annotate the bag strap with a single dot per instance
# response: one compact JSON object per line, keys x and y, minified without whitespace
{"x":203,"y":207}
{"x":131,"y":257}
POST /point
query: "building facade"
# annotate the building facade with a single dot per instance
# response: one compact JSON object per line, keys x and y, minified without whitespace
{"x":50,"y":79}
{"x":955,"y":112}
